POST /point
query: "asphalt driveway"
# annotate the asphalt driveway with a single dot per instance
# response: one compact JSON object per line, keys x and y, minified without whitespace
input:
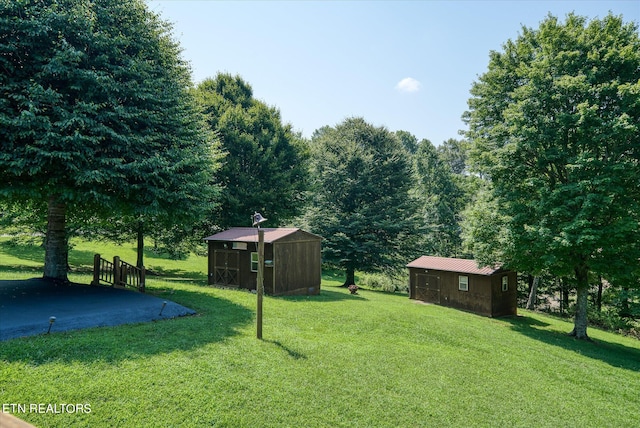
{"x":26,"y":307}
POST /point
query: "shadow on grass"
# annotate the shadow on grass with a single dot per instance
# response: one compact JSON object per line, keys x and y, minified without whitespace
{"x":32,"y":253}
{"x":216,"y":319}
{"x":81,"y":260}
{"x":324,"y":296}
{"x":8,"y":270}
{"x":614,"y":354}
{"x":292,"y":353}
{"x":177,"y":274}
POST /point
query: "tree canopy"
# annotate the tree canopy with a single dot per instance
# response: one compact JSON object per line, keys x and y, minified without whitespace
{"x":555,"y":126}
{"x":95,"y":115}
{"x":441,"y":200}
{"x":265,"y":168}
{"x":361,"y":203}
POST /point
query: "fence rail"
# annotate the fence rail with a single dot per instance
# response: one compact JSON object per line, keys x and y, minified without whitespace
{"x":117,"y":273}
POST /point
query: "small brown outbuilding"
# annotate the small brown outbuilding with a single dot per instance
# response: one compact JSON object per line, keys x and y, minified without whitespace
{"x":292,"y":260}
{"x":461,"y":284}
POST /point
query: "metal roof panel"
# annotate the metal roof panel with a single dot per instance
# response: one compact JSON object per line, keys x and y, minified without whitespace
{"x":250,"y":234}
{"x":453,"y":265}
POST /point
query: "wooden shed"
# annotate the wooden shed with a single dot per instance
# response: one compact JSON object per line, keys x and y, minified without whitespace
{"x":461,"y":284}
{"x":292,"y":260}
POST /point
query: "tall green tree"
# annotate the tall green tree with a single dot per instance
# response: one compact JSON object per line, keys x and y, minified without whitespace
{"x":442,"y":201}
{"x":95,"y":115}
{"x":361,"y":203}
{"x":408,"y":140}
{"x":266,"y":164}
{"x":555,"y":126}
{"x":454,"y":153}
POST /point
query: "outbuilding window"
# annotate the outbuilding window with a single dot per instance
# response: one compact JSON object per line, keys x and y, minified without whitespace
{"x":254,"y":262}
{"x":505,"y":283}
{"x":463,"y":283}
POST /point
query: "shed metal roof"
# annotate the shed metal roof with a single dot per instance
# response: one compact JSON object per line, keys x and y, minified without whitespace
{"x":250,"y":234}
{"x":453,"y":265}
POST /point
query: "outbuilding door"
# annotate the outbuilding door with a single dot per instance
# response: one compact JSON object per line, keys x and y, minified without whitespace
{"x":226,"y":268}
{"x":428,"y":288}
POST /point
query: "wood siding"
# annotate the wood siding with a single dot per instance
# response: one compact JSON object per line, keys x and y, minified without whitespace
{"x":292,"y":265}
{"x":484,"y":295}
{"x":297,"y":267}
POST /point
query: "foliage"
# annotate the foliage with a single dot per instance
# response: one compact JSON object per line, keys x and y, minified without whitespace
{"x":408,"y":140}
{"x":390,"y":282}
{"x":454,"y":153}
{"x":361,"y":203}
{"x":609,"y":319}
{"x":265,"y":169}
{"x":484,"y":228}
{"x":555,"y":124}
{"x":441,"y":200}
{"x":24,"y":220}
{"x":95,"y":117}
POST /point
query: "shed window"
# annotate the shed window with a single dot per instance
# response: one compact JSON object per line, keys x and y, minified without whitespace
{"x":505,"y":283}
{"x":463,"y":283}
{"x":254,"y":262}
{"x":239,"y":245}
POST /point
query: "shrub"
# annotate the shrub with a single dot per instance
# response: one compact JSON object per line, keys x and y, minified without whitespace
{"x":385,"y":282}
{"x":609,"y":319}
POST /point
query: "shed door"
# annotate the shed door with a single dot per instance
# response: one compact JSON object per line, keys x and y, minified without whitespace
{"x":226,"y":268}
{"x":428,"y":288}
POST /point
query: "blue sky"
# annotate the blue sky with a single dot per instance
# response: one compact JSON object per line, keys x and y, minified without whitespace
{"x":405,"y":65}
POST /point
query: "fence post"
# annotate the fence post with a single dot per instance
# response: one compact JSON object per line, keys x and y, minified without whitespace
{"x":116,"y":271}
{"x":96,"y":270}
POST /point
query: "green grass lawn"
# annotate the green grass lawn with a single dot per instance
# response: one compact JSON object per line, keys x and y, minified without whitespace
{"x":368,"y":360}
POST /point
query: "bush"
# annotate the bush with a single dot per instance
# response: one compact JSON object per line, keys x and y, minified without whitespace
{"x":609,"y":319}
{"x":384,"y":282}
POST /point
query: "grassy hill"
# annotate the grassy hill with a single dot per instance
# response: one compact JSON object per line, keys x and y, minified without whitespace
{"x":371,"y":360}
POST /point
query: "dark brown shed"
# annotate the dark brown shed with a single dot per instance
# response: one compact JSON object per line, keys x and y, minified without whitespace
{"x":292,"y":260}
{"x":461,"y":284}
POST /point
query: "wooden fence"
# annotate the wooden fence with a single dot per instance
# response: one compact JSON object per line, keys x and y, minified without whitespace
{"x":117,"y":273}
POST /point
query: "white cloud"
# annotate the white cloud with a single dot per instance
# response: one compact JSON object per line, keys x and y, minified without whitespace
{"x":408,"y":84}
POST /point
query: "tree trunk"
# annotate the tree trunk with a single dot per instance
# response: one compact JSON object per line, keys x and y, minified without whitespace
{"x":531,"y":303}
{"x":140,"y":236}
{"x":351,"y":276}
{"x":56,"y":257}
{"x":580,"y":322}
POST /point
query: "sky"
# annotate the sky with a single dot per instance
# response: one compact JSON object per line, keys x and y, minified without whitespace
{"x":404,"y":65}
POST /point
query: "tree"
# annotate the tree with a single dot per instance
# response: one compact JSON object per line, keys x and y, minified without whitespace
{"x":361,"y":203}
{"x":485,"y":231}
{"x":408,"y":140}
{"x":441,"y":199}
{"x":555,"y":126}
{"x":266,"y":162}
{"x":454,"y":153}
{"x":95,"y":116}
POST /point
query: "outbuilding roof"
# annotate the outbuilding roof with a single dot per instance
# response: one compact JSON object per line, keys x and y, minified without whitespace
{"x":453,"y":265}
{"x":250,"y":234}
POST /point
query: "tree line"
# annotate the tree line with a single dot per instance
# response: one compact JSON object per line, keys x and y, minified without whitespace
{"x":103,"y":134}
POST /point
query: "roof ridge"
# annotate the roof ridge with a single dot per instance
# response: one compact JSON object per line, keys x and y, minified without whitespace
{"x":453,"y":264}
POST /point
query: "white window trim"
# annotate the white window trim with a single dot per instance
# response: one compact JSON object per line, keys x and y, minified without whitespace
{"x":253,"y":262}
{"x":463,"y":285}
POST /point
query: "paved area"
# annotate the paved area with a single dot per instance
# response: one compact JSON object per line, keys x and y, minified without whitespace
{"x":26,"y":307}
